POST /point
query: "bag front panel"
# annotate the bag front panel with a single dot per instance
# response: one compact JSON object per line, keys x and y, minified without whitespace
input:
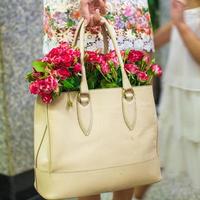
{"x":110,"y":142}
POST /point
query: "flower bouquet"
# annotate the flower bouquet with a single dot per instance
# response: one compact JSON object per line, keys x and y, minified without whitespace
{"x":60,"y":71}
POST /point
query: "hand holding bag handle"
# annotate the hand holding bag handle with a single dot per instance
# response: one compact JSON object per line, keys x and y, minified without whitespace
{"x":84,"y":108}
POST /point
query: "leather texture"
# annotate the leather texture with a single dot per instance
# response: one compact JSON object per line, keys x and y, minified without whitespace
{"x":106,"y":141}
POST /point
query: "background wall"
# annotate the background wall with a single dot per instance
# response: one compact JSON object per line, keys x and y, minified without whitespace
{"x":20,"y":43}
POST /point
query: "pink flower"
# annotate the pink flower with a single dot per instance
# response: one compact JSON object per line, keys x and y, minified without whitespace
{"x":42,"y":86}
{"x":36,"y":75}
{"x":123,"y":53}
{"x":63,"y":73}
{"x":135,"y":56}
{"x":142,"y":76}
{"x":52,"y":82}
{"x":77,"y":68}
{"x":131,"y":68}
{"x":73,"y":52}
{"x":60,"y":56}
{"x":147,"y":59}
{"x":46,"y":98}
{"x":92,"y":57}
{"x":148,"y":17}
{"x":157,"y":70}
{"x":112,"y":57}
{"x":34,"y":88}
{"x":48,"y":85}
{"x":105,"y":68}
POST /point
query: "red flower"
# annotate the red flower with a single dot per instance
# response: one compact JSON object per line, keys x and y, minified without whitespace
{"x":73,"y":52}
{"x":123,"y":53}
{"x":46,"y":98}
{"x":92,"y":57}
{"x":63,"y":73}
{"x":46,"y":86}
{"x":112,"y":57}
{"x":34,"y":88}
{"x":61,"y":56}
{"x":157,"y":70}
{"x":147,"y":59}
{"x":105,"y":68}
{"x":77,"y":68}
{"x":135,"y":56}
{"x":142,"y":76}
{"x":131,"y":68}
{"x":36,"y":75}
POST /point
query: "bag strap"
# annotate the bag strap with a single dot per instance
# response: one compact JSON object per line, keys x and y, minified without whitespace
{"x":84,"y":107}
{"x":104,"y":34}
{"x":81,"y":31}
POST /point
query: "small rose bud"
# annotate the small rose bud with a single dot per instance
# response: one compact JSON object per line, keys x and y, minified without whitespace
{"x":157,"y":70}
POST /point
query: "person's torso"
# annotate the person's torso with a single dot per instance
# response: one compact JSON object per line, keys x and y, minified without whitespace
{"x":130,"y":18}
{"x":182,"y":70}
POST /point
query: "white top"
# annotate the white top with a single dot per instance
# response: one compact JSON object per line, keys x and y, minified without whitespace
{"x":130,"y":18}
{"x":182,"y":70}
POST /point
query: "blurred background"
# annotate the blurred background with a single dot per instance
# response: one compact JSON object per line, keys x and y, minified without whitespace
{"x":21,"y":40}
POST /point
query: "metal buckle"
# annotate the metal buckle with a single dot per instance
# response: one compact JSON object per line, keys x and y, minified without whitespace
{"x":128,"y":94}
{"x":84,"y":99}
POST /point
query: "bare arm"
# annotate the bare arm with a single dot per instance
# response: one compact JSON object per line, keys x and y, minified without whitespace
{"x":191,"y":40}
{"x":162,"y":35}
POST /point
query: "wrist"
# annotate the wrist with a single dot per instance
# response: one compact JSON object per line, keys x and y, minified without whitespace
{"x":182,"y":27}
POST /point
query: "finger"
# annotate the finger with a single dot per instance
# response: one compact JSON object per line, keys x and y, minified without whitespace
{"x":183,"y":2}
{"x":97,"y":18}
{"x":84,"y":8}
{"x":103,"y":7}
{"x":177,"y":5}
{"x":91,"y":20}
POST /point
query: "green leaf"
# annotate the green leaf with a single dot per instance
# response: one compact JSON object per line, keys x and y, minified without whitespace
{"x":29,"y":77}
{"x":114,"y":73}
{"x":69,"y":83}
{"x":105,"y":84}
{"x":72,"y":83}
{"x":91,"y":83}
{"x":127,"y":51}
{"x":39,"y":66}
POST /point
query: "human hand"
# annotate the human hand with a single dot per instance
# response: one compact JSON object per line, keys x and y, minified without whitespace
{"x":92,"y":10}
{"x":177,"y":11}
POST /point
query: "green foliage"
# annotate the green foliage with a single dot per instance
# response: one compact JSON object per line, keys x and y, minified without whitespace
{"x":154,"y":11}
{"x":72,"y":83}
{"x":39,"y":66}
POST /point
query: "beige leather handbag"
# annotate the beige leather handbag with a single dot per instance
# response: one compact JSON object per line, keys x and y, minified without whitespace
{"x":107,"y":141}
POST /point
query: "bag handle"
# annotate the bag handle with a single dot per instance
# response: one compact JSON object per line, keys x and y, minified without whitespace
{"x":104,"y":34}
{"x":81,"y":31}
{"x":83,"y":102}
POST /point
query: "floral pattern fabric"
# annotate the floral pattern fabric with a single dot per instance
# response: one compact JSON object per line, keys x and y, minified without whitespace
{"x":130,"y":18}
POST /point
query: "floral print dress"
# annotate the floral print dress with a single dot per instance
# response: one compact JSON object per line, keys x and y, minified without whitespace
{"x":130,"y":18}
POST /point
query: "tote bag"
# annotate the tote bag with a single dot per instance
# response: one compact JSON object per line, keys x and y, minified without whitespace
{"x":106,"y":141}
